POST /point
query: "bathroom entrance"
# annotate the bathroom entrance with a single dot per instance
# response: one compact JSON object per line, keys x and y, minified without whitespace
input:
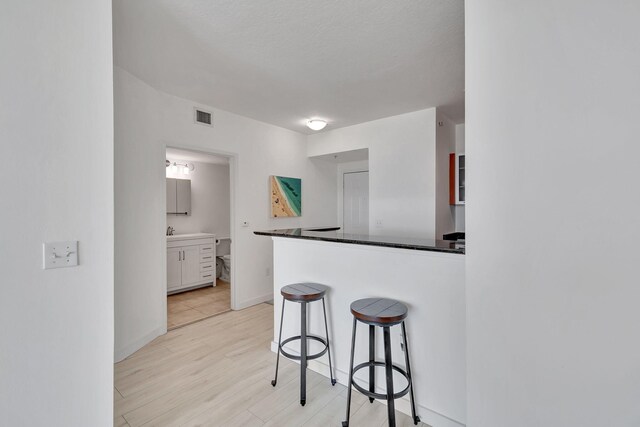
{"x":198,"y":234}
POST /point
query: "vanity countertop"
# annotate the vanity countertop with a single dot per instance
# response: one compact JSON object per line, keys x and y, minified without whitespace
{"x":334,"y":234}
{"x":190,"y":236}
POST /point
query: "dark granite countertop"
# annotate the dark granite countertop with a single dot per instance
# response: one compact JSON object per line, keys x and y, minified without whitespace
{"x":334,"y":234}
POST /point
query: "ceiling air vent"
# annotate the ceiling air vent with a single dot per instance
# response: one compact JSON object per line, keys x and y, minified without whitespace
{"x":203,"y":117}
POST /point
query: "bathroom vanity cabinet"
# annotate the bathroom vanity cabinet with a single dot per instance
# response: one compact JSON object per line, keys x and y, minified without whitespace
{"x":191,"y":261}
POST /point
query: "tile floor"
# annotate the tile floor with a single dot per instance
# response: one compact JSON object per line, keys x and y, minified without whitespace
{"x":191,"y":306}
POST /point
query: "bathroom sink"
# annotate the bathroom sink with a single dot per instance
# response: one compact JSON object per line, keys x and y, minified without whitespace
{"x":322,"y":229}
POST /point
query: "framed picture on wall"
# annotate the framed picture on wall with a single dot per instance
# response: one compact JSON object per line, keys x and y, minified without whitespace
{"x":286,"y":196}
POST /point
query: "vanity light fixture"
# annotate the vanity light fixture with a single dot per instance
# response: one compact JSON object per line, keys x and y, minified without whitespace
{"x":175,"y":167}
{"x":316,"y":124}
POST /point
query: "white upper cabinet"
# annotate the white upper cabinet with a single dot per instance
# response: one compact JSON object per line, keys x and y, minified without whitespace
{"x":178,"y":196}
{"x":171,"y":195}
{"x":183,"y":196}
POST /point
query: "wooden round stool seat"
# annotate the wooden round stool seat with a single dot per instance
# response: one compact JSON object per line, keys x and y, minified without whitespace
{"x":304,"y":292}
{"x":379,"y":311}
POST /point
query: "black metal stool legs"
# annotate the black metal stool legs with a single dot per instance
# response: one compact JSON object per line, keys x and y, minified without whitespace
{"x":275,"y":380}
{"x":353,"y":349}
{"x":372,"y":358}
{"x":326,"y":331}
{"x":303,"y":353}
{"x":381,"y":313}
{"x":390,"y":393}
{"x":416,"y":419}
{"x":303,"y":293}
{"x":388,"y":368}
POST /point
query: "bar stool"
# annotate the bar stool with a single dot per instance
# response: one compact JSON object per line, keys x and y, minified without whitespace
{"x":304,"y":293}
{"x":384,"y":313}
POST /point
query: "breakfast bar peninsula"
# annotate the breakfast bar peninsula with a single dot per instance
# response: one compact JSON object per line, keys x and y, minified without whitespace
{"x":426,"y":275}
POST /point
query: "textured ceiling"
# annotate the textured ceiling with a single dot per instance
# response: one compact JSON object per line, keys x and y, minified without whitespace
{"x":284,"y":61}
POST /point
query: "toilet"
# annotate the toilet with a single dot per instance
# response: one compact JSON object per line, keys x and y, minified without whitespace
{"x":223,"y":259}
{"x":226,"y":269}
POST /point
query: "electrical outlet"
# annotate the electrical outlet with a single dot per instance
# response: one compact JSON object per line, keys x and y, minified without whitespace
{"x":245,"y":223}
{"x":379,"y":223}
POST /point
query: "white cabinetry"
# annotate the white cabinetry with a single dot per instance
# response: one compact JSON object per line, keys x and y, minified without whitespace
{"x":190,"y":261}
{"x":178,"y":196}
{"x":174,"y":268}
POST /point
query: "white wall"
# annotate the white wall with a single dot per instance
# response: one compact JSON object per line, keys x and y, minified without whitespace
{"x":56,"y":131}
{"x":445,"y":144}
{"x":402,"y":173}
{"x":210,"y":200}
{"x":140,"y":218}
{"x":146,"y":122}
{"x":552,"y":256}
{"x":460,"y":145}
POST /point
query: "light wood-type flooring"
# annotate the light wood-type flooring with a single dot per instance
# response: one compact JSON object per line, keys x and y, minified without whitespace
{"x":217,"y":372}
{"x":191,"y":306}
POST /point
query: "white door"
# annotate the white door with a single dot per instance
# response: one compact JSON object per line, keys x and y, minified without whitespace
{"x":190,"y":265}
{"x":174,"y":268}
{"x":355,"y":203}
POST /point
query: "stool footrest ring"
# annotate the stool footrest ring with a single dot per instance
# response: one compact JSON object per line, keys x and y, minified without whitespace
{"x":380,"y":395}
{"x":309,"y":356}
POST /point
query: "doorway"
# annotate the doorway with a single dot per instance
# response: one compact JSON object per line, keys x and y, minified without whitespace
{"x":355,"y":202}
{"x":198,"y":249}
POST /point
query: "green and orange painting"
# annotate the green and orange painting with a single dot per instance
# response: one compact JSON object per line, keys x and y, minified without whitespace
{"x":286,"y":196}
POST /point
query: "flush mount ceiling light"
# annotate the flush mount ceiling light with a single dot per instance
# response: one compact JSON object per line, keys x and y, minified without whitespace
{"x":316,"y":124}
{"x":175,"y":167}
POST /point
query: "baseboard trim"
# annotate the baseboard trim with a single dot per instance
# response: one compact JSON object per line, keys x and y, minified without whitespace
{"x":128,"y":350}
{"x":253,"y":301}
{"x":427,"y":416}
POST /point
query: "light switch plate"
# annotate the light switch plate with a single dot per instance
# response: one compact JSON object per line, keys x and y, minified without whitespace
{"x":59,"y":254}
